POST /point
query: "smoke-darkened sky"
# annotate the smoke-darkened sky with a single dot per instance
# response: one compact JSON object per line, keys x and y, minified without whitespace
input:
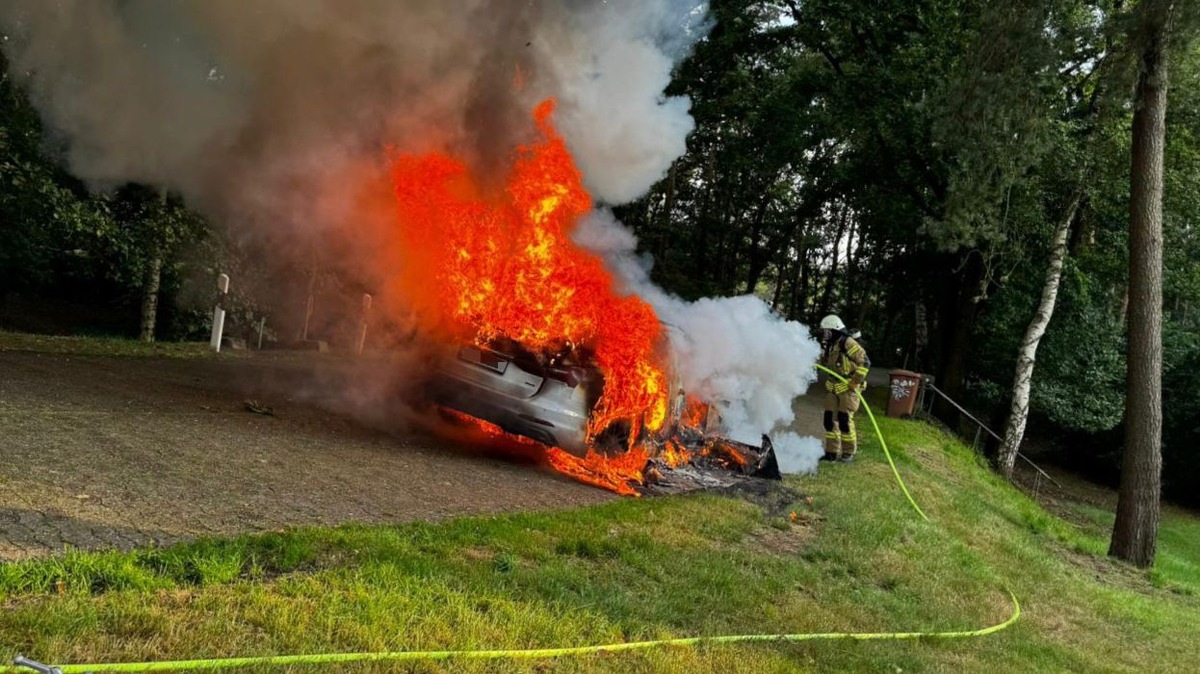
{"x":214,"y":98}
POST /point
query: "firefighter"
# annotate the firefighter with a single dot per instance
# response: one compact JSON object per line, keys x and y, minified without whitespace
{"x":841,"y":353}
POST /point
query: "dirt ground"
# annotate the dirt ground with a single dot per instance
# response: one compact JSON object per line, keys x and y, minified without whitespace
{"x":120,"y":452}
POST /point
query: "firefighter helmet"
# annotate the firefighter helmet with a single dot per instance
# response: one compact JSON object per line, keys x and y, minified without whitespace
{"x":832,"y":322}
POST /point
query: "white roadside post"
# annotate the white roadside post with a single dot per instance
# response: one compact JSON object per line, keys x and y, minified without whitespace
{"x":308,"y":305}
{"x":362,"y":329}
{"x":219,"y":312}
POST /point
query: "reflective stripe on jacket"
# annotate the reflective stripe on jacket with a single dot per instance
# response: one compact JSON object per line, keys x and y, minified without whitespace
{"x":848,"y":358}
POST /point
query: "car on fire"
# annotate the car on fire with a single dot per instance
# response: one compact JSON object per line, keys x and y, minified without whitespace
{"x":545,"y":398}
{"x":549,"y":398}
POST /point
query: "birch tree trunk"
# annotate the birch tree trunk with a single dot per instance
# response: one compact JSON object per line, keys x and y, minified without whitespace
{"x":150,"y":287}
{"x":1135,"y":531}
{"x":1018,"y":413}
{"x":152,"y":280}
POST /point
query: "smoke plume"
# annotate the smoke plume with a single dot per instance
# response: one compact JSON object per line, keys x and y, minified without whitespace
{"x":796,"y":453}
{"x":730,"y":351}
{"x":257,"y":111}
{"x":271,"y":117}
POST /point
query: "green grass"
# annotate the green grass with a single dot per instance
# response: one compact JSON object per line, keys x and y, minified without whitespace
{"x":1177,"y":566}
{"x":101,"y":346}
{"x":857,"y":559}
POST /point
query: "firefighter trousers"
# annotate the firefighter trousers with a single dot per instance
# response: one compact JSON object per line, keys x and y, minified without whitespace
{"x":841,"y":439}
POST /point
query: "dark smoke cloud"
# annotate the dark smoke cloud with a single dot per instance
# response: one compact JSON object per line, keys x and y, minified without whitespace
{"x":276,"y":117}
{"x":260,"y":110}
{"x":273,"y":116}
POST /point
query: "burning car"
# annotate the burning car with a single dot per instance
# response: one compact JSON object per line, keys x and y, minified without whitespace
{"x":546,"y":400}
{"x":549,"y":399}
{"x":548,"y":349}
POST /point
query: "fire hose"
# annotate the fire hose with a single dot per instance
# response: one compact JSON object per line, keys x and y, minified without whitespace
{"x":882,"y":442}
{"x":514,"y":654}
{"x":535,"y":653}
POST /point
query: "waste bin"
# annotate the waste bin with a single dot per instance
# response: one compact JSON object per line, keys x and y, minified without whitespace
{"x":902,"y":400}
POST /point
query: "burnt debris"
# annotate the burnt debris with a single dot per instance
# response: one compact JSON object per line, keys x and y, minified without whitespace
{"x":710,"y":463}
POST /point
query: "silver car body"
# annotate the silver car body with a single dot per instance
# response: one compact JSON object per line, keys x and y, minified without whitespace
{"x":547,"y":403}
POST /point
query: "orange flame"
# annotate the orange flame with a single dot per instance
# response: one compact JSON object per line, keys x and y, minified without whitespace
{"x":483,"y":265}
{"x":617,"y":473}
{"x":674,"y":454}
{"x":695,"y":413}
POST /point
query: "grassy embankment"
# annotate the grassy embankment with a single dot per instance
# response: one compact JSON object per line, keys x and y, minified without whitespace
{"x":858,"y":559}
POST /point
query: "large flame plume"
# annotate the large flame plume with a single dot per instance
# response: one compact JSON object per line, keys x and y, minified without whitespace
{"x":268,"y":118}
{"x":495,"y":264}
{"x":488,"y":264}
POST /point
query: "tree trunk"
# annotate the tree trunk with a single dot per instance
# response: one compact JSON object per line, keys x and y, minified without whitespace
{"x":668,"y":213}
{"x":851,"y":267}
{"x":782,"y":270}
{"x":831,"y":278}
{"x":795,"y":307}
{"x":920,"y":335}
{"x":805,"y":283}
{"x":757,"y":255}
{"x":700,"y":243}
{"x":1135,"y":531}
{"x":150,"y":287}
{"x":1018,"y":414}
{"x":956,"y":326}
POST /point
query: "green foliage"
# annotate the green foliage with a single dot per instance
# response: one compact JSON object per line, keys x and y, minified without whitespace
{"x":1181,"y":412}
{"x":60,"y":242}
{"x":48,"y":218}
{"x":148,"y":223}
{"x":875,"y":158}
{"x":1080,"y":380}
{"x":995,"y":119}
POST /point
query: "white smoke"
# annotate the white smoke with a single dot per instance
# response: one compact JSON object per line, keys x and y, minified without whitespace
{"x":733,"y":352}
{"x":611,"y":71}
{"x":796,"y":453}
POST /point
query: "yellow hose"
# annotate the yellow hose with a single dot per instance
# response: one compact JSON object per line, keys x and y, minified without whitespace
{"x":882,"y":442}
{"x":514,"y":654}
{"x":541,"y":653}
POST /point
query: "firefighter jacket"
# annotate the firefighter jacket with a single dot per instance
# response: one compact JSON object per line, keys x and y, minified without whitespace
{"x":845,"y":356}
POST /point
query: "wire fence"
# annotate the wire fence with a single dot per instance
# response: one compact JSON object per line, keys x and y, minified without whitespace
{"x":969,"y":428}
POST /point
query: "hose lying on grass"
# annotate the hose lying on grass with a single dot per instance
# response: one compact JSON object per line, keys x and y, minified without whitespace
{"x":531,"y":653}
{"x":882,"y":442}
{"x":538,"y":653}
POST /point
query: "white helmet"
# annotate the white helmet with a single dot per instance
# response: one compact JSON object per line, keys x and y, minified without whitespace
{"x":832,"y":322}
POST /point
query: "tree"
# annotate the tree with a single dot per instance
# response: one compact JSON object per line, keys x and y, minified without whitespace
{"x":1014,"y":429}
{"x":151,"y":285}
{"x":1081,"y":112}
{"x":1135,"y":531}
{"x":51,"y":227}
{"x":153,"y":224}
